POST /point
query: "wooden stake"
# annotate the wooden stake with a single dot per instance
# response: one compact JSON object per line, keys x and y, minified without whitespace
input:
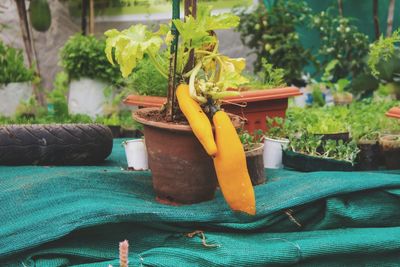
{"x":190,"y":9}
{"x":376,"y":19}
{"x":389,"y":28}
{"x":91,"y":17}
{"x":28,"y":43}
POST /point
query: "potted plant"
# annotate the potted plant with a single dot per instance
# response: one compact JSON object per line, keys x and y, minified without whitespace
{"x":265,"y":95}
{"x":390,"y":146}
{"x":384,"y":62}
{"x":275,"y":141}
{"x":83,"y":59}
{"x":254,"y":149}
{"x":303,"y":154}
{"x":179,"y":138}
{"x":15,"y":80}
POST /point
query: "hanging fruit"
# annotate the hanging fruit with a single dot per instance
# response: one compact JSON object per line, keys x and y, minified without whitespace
{"x":40,"y":15}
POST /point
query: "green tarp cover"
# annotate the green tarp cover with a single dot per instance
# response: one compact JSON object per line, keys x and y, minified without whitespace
{"x":75,"y":216}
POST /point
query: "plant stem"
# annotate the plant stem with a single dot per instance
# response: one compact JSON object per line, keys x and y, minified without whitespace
{"x":157,"y":65}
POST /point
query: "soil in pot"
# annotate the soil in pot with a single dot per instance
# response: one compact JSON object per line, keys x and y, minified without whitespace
{"x":255,"y":164}
{"x":182,"y":172}
{"x":369,"y":156}
{"x":390,"y":146}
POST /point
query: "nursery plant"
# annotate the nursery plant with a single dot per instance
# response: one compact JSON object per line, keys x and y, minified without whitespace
{"x":13,"y":69}
{"x":15,"y":80}
{"x":199,"y":77}
{"x":253,"y":146}
{"x":268,"y":77}
{"x":83,"y":56}
{"x":384,"y":62}
{"x":271,"y":34}
{"x":340,"y":41}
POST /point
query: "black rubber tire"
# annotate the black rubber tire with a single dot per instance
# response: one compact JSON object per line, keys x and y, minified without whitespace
{"x":54,"y":144}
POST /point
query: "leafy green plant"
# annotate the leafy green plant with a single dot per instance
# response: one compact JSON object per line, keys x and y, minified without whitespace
{"x":271,"y":34}
{"x":382,"y":51}
{"x":310,"y":144}
{"x":277,"y":128}
{"x":342,"y":43}
{"x":213,"y":72}
{"x":83,"y":56}
{"x":268,"y":77}
{"x":57,"y":98}
{"x":250,"y":141}
{"x":146,"y":80}
{"x":12,"y":66}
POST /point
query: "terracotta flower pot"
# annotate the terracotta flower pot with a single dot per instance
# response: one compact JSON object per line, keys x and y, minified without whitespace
{"x":255,"y":105}
{"x":182,"y":172}
{"x":390,"y":146}
{"x":394,"y":112}
{"x":255,"y":164}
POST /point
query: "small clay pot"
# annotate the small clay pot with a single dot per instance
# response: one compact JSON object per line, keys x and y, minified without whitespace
{"x":182,"y":172}
{"x":390,"y":147}
{"x":369,"y":156}
{"x":255,"y":164}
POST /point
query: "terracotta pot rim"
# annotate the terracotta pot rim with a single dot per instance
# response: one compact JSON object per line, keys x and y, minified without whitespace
{"x":394,"y":112}
{"x":237,"y":121}
{"x":245,"y":96}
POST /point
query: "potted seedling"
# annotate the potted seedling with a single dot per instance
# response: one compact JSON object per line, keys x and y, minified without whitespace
{"x":303,"y":154}
{"x":15,"y":80}
{"x":275,"y":140}
{"x":253,"y":147}
{"x":90,"y":74}
{"x":369,"y":156}
{"x":390,"y":146}
{"x":179,"y":137}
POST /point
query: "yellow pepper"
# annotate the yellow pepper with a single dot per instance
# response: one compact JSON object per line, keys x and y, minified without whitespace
{"x":198,"y":120}
{"x":231,"y":168}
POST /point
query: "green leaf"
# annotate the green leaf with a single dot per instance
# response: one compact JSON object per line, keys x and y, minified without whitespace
{"x":130,"y":45}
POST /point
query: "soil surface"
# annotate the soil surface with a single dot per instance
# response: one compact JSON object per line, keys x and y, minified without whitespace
{"x":159,"y":116}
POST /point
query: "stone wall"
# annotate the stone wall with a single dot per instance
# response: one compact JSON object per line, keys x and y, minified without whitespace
{"x":63,"y":25}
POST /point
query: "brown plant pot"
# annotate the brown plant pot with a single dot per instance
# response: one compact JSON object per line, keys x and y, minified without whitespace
{"x":390,"y":147}
{"x":256,"y":105}
{"x":394,"y":112}
{"x":182,"y":172}
{"x":255,"y":164}
{"x":369,"y":156}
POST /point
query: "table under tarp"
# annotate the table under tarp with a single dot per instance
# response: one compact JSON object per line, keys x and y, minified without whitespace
{"x":76,"y":216}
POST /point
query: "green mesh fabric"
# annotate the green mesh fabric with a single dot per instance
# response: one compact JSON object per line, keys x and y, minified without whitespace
{"x":75,"y":216}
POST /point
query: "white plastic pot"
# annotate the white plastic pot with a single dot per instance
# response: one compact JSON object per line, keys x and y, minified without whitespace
{"x":11,"y":95}
{"x":273,"y":152}
{"x":86,"y":96}
{"x":136,"y":154}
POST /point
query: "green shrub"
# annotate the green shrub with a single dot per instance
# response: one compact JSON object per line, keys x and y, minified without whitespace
{"x":12,"y":68}
{"x":146,"y":80}
{"x":271,"y":34}
{"x":83,"y":56}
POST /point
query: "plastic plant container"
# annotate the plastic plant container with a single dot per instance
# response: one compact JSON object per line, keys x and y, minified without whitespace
{"x":136,"y":154}
{"x":273,"y":152}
